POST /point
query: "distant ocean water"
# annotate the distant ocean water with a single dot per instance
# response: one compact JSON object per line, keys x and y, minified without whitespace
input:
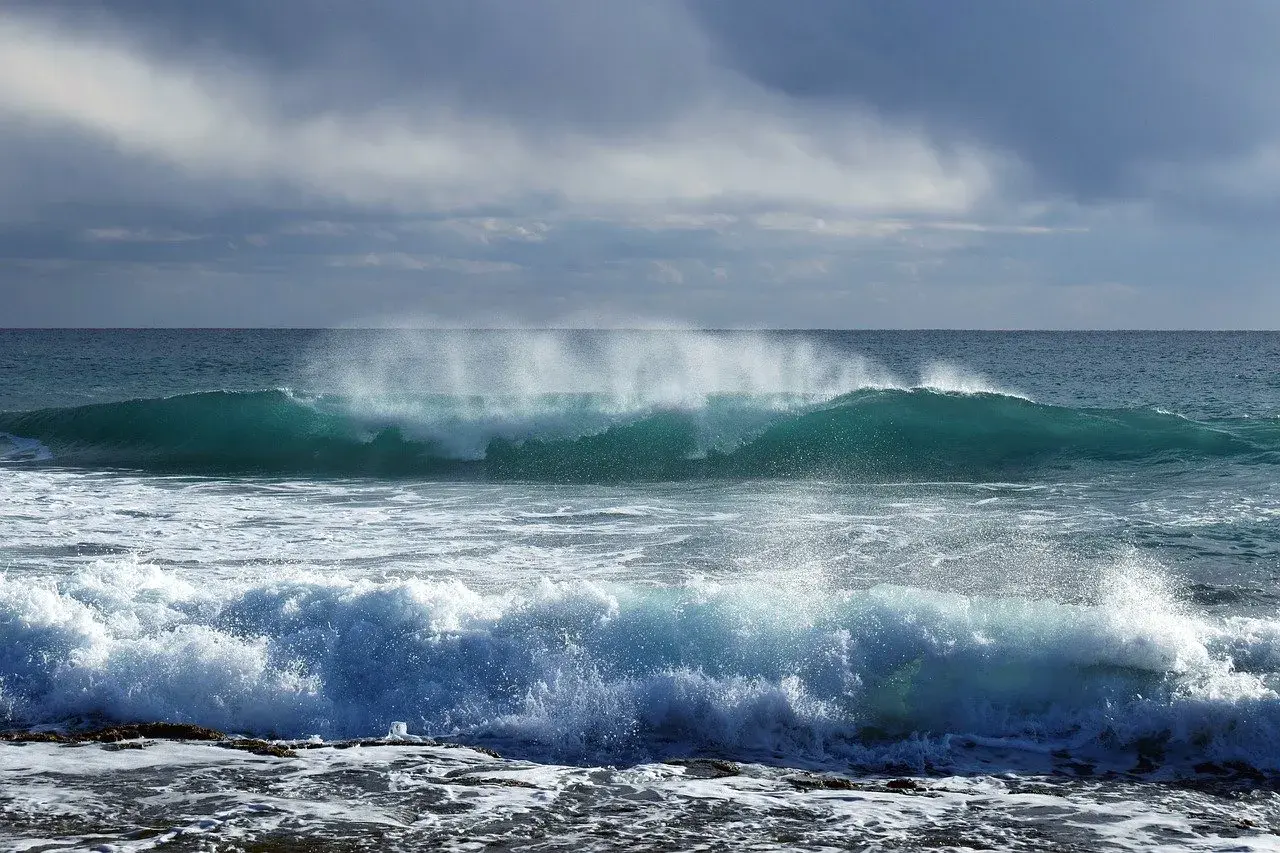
{"x":1030,"y":579}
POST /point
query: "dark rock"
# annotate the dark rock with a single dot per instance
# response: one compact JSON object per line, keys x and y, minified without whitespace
{"x":133,"y":735}
{"x":823,"y":783}
{"x":34,"y":737}
{"x":480,"y":780}
{"x":115,"y":734}
{"x":259,"y":747}
{"x":127,"y":744}
{"x":160,"y":731}
{"x":127,"y":732}
{"x":706,"y":768}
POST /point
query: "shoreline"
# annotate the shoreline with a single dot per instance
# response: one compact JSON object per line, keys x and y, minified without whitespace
{"x":187,"y":790}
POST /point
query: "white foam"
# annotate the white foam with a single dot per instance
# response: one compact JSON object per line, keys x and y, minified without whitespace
{"x":587,"y":671}
{"x":420,"y":797}
{"x":955,"y":379}
{"x":14,"y":448}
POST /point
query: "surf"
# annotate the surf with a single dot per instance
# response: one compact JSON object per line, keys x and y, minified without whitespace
{"x":590,"y":673}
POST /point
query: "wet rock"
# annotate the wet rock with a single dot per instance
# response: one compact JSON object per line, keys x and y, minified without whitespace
{"x":706,"y":768}
{"x":259,"y":747}
{"x":160,"y":731}
{"x":135,"y":735}
{"x":34,"y":737}
{"x":824,"y":783}
{"x":117,"y":733}
{"x":502,"y":783}
{"x":127,"y":732}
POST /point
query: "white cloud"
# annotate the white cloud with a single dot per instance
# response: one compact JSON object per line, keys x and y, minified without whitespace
{"x":790,"y":221}
{"x":489,"y":229}
{"x":419,"y":263}
{"x":883,"y":228}
{"x":140,"y":235}
{"x":684,"y":221}
{"x":220,"y":123}
{"x":318,"y":228}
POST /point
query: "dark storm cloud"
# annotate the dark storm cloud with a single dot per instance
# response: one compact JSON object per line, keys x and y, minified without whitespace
{"x":729,"y":162}
{"x":1088,"y":93}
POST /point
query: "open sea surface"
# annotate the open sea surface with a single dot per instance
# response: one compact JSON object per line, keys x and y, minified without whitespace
{"x":569,"y":590}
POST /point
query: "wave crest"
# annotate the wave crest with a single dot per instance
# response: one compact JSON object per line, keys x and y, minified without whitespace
{"x":867,"y":434}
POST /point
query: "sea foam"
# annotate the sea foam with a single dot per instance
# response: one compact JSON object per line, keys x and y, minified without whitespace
{"x":584,"y":672}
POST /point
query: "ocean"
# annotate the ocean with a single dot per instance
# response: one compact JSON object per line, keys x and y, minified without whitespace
{"x":639,"y":590}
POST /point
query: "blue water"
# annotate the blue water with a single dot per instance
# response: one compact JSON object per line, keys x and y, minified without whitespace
{"x":1199,"y":374}
{"x":829,"y":548}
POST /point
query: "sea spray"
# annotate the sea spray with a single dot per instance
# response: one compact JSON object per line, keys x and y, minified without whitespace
{"x":625,"y":371}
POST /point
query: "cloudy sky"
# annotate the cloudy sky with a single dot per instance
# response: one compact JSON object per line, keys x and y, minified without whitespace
{"x":726,"y":163}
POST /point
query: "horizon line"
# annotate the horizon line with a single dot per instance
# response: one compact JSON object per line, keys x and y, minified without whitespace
{"x":722,"y":329}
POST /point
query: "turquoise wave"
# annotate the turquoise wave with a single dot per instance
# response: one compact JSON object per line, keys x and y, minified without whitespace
{"x":870,"y":434}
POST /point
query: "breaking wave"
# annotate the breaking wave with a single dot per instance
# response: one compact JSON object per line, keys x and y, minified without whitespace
{"x":587,"y":673}
{"x":907,"y":433}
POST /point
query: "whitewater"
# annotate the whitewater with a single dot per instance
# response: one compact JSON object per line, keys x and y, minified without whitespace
{"x":640,"y":590}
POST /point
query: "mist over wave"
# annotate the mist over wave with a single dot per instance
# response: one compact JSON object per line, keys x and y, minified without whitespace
{"x":578,"y":407}
{"x":624,"y":370}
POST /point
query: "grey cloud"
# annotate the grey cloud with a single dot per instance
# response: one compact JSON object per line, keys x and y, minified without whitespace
{"x":1166,"y":100}
{"x":224,"y":125}
{"x":607,"y":64}
{"x":729,"y":162}
{"x":1088,"y":94}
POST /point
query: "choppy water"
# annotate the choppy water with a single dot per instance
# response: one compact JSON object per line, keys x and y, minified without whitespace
{"x":1036,"y":573}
